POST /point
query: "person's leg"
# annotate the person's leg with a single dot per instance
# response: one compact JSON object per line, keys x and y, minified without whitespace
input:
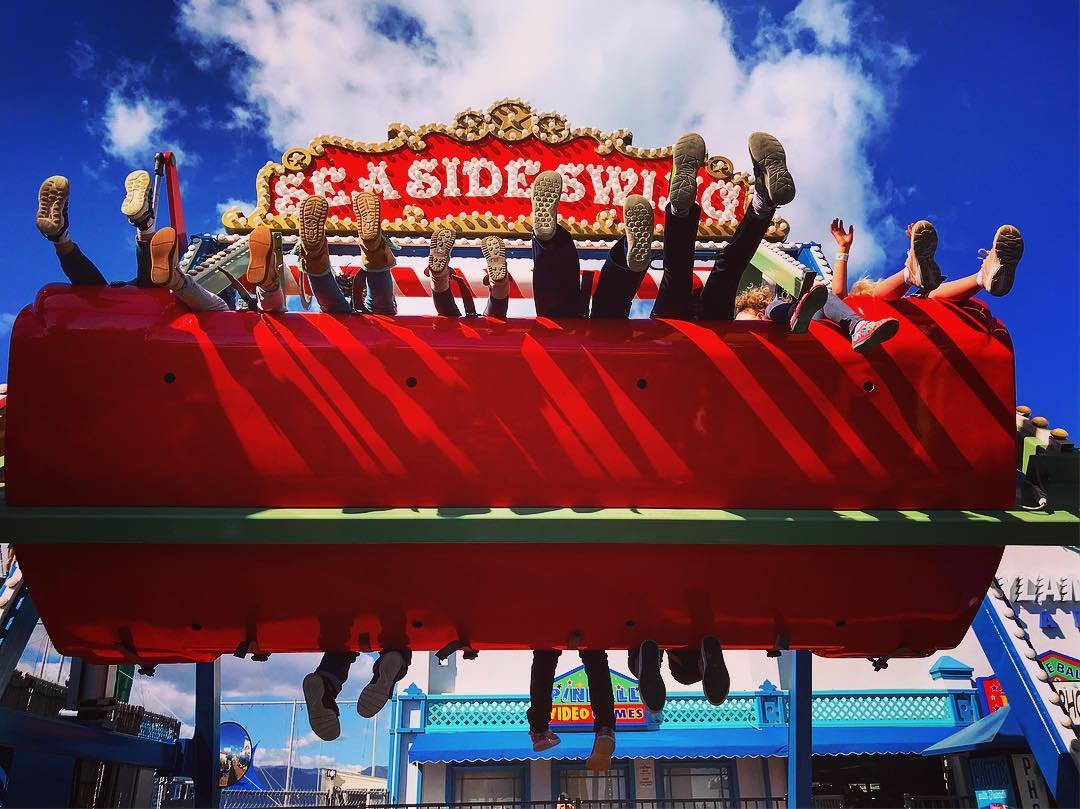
{"x":376,"y":256}
{"x":680,"y":229}
{"x":497,"y":279}
{"x":715,"y":680}
{"x":556,"y":268}
{"x":647,"y":670}
{"x":602,"y":701}
{"x":893,"y":287}
{"x":52,"y":222}
{"x":138,"y":208}
{"x":315,"y":257}
{"x":321,"y":688}
{"x":541,"y":681}
{"x":865,"y":334}
{"x":773,"y":186}
{"x":164,"y":272}
{"x":684,"y":665}
{"x":264,"y":271}
{"x":626,"y":262}
{"x":438,"y":269}
{"x":389,"y":668}
{"x":798,"y":314}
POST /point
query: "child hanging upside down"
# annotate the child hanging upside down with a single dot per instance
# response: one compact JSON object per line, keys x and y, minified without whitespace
{"x":155,"y":252}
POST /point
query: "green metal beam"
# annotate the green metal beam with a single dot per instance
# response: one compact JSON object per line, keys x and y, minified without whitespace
{"x":790,"y":276}
{"x":75,"y":525}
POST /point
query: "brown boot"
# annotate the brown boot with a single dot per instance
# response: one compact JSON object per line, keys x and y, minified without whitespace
{"x":163,"y":257}
{"x":262,"y":268}
{"x":316,"y":255}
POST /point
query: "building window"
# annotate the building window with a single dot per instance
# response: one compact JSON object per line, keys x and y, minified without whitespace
{"x":494,"y":785}
{"x":583,"y":784}
{"x":699,"y":781}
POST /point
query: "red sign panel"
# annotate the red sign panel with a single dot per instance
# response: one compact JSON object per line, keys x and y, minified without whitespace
{"x":475,"y":176}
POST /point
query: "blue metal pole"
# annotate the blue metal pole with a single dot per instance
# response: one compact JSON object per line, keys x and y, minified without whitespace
{"x":207,"y":739}
{"x":800,"y":742}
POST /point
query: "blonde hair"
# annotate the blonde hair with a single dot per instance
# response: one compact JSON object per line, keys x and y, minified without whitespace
{"x":753,"y":299}
{"x":864,"y":286}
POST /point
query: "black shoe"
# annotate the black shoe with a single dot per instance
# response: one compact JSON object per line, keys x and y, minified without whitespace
{"x":375,"y":695}
{"x":322,"y":709}
{"x":922,"y":267}
{"x":999,"y":266}
{"x":771,"y":176}
{"x":650,"y":682}
{"x":715,"y":679}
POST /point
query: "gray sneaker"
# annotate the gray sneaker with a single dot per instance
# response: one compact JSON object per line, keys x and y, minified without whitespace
{"x":999,"y":266}
{"x":376,"y":694}
{"x":638,"y":218}
{"x":546,"y":190}
{"x":322,"y":709}
{"x":771,"y":176}
{"x":689,"y":154}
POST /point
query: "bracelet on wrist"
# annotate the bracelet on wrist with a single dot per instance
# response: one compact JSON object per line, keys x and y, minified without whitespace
{"x":841,"y":256}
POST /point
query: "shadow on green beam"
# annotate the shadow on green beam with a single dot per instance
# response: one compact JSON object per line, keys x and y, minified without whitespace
{"x":525,"y":525}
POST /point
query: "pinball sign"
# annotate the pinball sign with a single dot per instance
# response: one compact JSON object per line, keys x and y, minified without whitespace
{"x":475,"y":176}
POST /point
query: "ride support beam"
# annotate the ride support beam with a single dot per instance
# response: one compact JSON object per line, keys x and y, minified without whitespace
{"x":207,"y":740}
{"x":800,"y":732}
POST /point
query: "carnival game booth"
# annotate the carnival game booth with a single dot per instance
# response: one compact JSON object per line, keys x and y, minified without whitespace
{"x":878,"y":488}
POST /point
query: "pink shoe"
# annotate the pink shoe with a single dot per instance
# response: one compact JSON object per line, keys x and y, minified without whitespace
{"x":872,"y":333}
{"x":602,"y":750}
{"x":544,"y":741}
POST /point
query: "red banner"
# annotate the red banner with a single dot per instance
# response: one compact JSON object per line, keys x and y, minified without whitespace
{"x":475,"y":176}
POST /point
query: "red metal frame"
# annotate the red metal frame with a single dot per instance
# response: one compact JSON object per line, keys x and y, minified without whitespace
{"x":126,"y":398}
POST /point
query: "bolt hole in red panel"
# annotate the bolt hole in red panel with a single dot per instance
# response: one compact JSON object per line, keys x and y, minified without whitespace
{"x":317,"y":411}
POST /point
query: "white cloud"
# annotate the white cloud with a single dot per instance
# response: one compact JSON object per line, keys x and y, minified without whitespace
{"x":245,"y":205}
{"x":7,"y":320}
{"x":135,"y":128}
{"x":322,"y":67}
{"x":829,"y":20}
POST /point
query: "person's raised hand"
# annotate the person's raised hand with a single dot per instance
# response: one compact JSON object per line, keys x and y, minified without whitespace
{"x":843,"y":237}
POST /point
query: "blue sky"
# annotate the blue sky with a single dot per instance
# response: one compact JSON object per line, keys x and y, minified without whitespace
{"x":963,"y":112}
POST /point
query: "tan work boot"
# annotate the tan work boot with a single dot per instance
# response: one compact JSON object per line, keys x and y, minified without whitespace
{"x":495,"y":254}
{"x":316,"y":251}
{"x":999,"y":267}
{"x":163,"y":258}
{"x":52,"y":213}
{"x":438,"y":268}
{"x":263,"y":270}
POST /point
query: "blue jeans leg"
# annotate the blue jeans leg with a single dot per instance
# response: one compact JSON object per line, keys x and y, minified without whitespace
{"x":328,"y":293}
{"x":557,"y":276}
{"x":380,"y":298}
{"x":780,"y":311}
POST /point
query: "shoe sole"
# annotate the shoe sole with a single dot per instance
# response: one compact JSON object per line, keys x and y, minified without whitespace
{"x":810,"y":305}
{"x":546,"y":190}
{"x":886,"y":331}
{"x":767,"y":152}
{"x":651,"y":682}
{"x":495,"y":255}
{"x":999,"y":273}
{"x":313,"y":224}
{"x":261,"y":251}
{"x":715,"y":679}
{"x":368,"y":210}
{"x":377,"y":693}
{"x":924,"y":269}
{"x":136,"y":204}
{"x":442,"y":243}
{"x":324,"y":723}
{"x":162,"y":256}
{"x":546,"y":745}
{"x":638,"y":218}
{"x":52,"y":201}
{"x":600,"y":758}
{"x":689,"y":154}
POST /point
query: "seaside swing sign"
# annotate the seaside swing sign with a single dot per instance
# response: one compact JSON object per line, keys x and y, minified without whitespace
{"x":475,"y":175}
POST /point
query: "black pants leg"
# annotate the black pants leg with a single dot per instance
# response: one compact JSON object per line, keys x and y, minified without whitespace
{"x":496,"y":307}
{"x":601,"y":695}
{"x":142,"y":262}
{"x":406,"y":656}
{"x":683,"y":665}
{"x":557,"y":276}
{"x":680,"y":233}
{"x":445,"y":304}
{"x":617,"y":286}
{"x":79,"y":269}
{"x":336,"y":666}
{"x":541,"y":681}
{"x":718,"y":297}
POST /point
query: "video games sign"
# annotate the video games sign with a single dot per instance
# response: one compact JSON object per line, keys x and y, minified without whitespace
{"x":475,"y":176}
